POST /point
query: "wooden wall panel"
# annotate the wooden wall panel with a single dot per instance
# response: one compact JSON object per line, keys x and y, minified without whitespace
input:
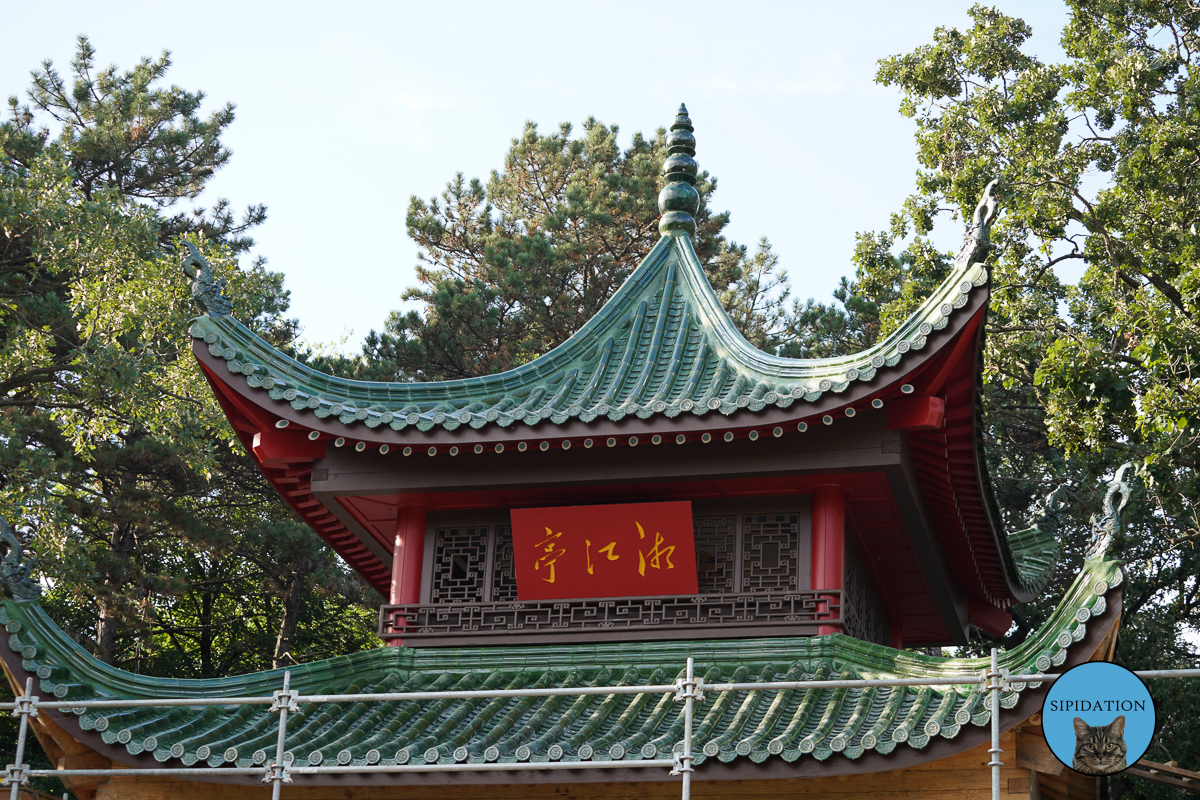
{"x":962,"y":777}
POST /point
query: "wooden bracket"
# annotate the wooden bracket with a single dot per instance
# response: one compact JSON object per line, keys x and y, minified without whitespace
{"x":275,"y":447}
{"x":916,"y":414}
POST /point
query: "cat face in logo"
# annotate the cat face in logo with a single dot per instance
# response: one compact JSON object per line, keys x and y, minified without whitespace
{"x":1099,"y":749}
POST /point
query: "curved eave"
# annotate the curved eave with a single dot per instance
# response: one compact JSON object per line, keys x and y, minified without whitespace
{"x":661,"y":347}
{"x":951,"y":475}
{"x":292,"y":480}
{"x":951,"y":468}
{"x":897,"y":727}
{"x":660,"y":358}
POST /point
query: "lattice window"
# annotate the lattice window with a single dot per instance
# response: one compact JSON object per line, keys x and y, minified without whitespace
{"x":458,"y":560}
{"x":715,"y":553}
{"x":864,"y":618}
{"x":504,"y":576}
{"x":770,"y":552}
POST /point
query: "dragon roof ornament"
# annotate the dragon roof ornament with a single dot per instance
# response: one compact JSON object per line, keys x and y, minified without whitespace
{"x":208,"y":292}
{"x":15,"y":574}
{"x":1108,"y":527}
{"x":978,"y":235}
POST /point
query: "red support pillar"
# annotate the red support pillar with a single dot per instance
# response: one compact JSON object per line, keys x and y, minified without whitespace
{"x":828,"y":543}
{"x":408,"y":556}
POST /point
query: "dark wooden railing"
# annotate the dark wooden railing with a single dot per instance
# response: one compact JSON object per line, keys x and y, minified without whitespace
{"x":621,"y":618}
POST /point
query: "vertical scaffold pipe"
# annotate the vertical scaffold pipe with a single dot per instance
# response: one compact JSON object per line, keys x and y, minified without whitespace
{"x":17,"y":772}
{"x":284,"y":700}
{"x":994,"y":687}
{"x":687,"y":728}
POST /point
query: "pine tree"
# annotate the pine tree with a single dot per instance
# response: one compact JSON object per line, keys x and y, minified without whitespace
{"x":162,"y":538}
{"x":512,"y":268}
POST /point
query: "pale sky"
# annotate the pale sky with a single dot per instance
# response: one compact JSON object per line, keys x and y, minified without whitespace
{"x":345,"y":111}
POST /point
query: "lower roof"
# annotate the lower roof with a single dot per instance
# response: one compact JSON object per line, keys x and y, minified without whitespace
{"x":835,"y":730}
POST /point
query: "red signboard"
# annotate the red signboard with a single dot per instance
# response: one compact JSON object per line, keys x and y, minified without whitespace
{"x":626,"y":550}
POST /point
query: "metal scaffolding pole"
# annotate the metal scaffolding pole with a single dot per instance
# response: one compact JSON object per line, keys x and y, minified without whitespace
{"x":689,"y":690}
{"x":277,"y":770}
{"x":25,"y":707}
{"x":994,"y":685}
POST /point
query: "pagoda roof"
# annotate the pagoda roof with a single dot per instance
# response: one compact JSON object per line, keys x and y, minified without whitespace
{"x":661,"y":346}
{"x":660,"y":357}
{"x":831,"y":731}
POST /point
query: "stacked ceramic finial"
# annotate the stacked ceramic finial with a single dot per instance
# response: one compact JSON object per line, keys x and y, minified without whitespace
{"x":678,"y":200}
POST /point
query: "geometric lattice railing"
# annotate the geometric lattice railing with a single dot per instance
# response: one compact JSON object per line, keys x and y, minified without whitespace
{"x":623,"y":618}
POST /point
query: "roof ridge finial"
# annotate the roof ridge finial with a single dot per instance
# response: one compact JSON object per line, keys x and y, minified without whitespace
{"x":678,"y":201}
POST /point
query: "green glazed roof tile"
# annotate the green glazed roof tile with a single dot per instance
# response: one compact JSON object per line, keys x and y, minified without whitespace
{"x":661,"y":345}
{"x":818,"y":723}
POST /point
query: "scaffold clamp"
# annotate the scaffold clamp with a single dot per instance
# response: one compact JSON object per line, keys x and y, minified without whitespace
{"x":285,"y":699}
{"x":26,"y":704}
{"x":277,"y":772}
{"x":1004,"y":675}
{"x":693,"y":689}
{"x":16,"y":775}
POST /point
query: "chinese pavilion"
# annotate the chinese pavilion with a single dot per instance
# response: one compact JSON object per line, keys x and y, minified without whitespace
{"x":654,"y":488}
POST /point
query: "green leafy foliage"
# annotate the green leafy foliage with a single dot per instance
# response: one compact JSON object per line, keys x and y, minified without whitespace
{"x":1097,"y":158}
{"x":167,"y":549}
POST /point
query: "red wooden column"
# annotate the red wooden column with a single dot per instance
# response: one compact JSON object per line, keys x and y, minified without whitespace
{"x":828,"y":543}
{"x":408,"y":557}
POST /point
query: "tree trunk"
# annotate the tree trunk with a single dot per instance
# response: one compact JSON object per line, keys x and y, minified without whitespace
{"x":207,"y":599}
{"x":292,"y":600}
{"x":109,"y":624}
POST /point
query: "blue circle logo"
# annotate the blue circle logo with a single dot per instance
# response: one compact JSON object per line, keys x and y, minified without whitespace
{"x":1098,"y":718}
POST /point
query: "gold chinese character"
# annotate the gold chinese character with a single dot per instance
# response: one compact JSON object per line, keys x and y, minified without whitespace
{"x":607,"y":550}
{"x":552,"y":552}
{"x":656,"y":554}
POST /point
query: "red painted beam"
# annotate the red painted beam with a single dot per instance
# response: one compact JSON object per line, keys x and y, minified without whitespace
{"x":989,"y":619}
{"x":407,"y":558}
{"x":916,"y":414}
{"x":408,"y":555}
{"x":277,"y":448}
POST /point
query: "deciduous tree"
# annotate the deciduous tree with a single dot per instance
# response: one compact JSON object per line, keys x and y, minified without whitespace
{"x":1099,"y":160}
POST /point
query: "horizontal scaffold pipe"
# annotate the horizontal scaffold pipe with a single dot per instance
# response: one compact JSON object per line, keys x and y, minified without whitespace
{"x":357,"y":698}
{"x":981,"y":678}
{"x":1141,"y":673}
{"x":516,"y":766}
